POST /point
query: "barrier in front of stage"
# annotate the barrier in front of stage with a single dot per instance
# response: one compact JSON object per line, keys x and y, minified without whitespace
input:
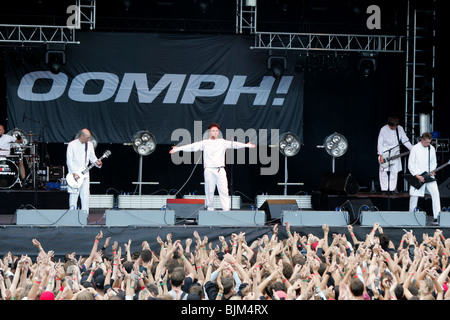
{"x":121,"y":218}
{"x":393,"y":218}
{"x":231,"y":218}
{"x":315,"y":218}
{"x":56,"y":217}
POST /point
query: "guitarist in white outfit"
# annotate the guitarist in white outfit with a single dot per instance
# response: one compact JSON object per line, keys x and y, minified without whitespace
{"x":390,"y":137}
{"x":79,"y":153}
{"x":423,"y":159}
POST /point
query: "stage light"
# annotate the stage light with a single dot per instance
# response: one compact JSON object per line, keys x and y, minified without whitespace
{"x":277,"y":65}
{"x":367,"y":63}
{"x":250,"y":3}
{"x":289,"y":144}
{"x":144,"y":143}
{"x":93,"y":139}
{"x":19,"y":134}
{"x":55,"y":57}
{"x":335,"y":145}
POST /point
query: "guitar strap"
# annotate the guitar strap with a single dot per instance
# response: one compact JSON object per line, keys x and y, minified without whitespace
{"x":400,"y":142}
{"x":85,"y":153}
{"x":429,"y":159}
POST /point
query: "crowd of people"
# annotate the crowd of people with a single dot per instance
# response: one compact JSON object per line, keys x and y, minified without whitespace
{"x":313,"y":267}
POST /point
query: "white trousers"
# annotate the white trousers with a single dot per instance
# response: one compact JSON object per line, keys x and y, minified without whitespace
{"x":385,"y":180}
{"x":433,"y":190}
{"x":216,"y":177}
{"x":83,"y":192}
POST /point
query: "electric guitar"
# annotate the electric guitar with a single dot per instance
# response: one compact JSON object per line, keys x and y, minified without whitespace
{"x":82,"y":173}
{"x":416,"y":183}
{"x":387,"y":161}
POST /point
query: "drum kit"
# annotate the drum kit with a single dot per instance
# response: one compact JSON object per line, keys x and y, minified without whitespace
{"x":21,"y":154}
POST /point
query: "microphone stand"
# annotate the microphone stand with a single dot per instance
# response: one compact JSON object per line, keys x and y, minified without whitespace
{"x":231,"y":176}
{"x":389,"y":176}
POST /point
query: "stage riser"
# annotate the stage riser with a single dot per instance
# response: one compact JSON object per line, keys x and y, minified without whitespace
{"x":315,"y":218}
{"x":231,"y":218}
{"x":393,"y":218}
{"x":42,"y":217}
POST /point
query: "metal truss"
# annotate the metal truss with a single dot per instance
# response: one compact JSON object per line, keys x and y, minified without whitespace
{"x":246,"y":20}
{"x":48,"y":34}
{"x":29,"y":34}
{"x":327,"y":42}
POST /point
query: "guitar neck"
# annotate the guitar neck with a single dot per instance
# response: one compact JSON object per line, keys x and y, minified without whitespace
{"x":441,"y":167}
{"x":398,"y":156}
{"x":92,"y":165}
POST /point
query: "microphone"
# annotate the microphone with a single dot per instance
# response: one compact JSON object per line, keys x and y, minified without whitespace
{"x":23,"y":118}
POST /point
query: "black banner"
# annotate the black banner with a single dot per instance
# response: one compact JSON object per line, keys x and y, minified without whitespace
{"x":116,"y":84}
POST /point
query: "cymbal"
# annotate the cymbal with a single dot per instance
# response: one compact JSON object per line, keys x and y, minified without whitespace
{"x":32,"y":134}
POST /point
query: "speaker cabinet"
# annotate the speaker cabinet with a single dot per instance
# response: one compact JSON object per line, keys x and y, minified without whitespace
{"x":186,"y":208}
{"x":444,"y":219}
{"x":316,"y":218}
{"x":274,"y":207}
{"x":444,"y":188}
{"x":120,"y":218}
{"x":393,"y":218}
{"x":58,"y":217}
{"x":231,"y":218}
{"x":354,"y":207}
{"x":338,"y":184}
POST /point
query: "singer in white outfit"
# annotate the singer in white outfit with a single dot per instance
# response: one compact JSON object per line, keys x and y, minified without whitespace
{"x":390,"y":137}
{"x":423,"y":159}
{"x":80,"y":152}
{"x":214,"y":164}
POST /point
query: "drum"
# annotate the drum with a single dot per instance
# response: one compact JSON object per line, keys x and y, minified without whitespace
{"x":17,"y":149}
{"x":9,"y":173}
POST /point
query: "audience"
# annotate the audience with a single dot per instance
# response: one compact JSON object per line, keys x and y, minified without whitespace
{"x":313,"y":267}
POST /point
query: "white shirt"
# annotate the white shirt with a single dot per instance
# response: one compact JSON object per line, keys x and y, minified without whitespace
{"x":418,"y":159}
{"x":213,"y":150}
{"x":76,"y":155}
{"x":5,"y":143}
{"x":387,"y":139}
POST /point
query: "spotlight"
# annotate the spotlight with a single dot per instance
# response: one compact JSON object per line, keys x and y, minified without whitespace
{"x":367,"y":63}
{"x":144,"y":143}
{"x":277,"y":65}
{"x":335,"y":145}
{"x":93,"y":139}
{"x":19,"y":134}
{"x":289,"y":144}
{"x":55,"y":57}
